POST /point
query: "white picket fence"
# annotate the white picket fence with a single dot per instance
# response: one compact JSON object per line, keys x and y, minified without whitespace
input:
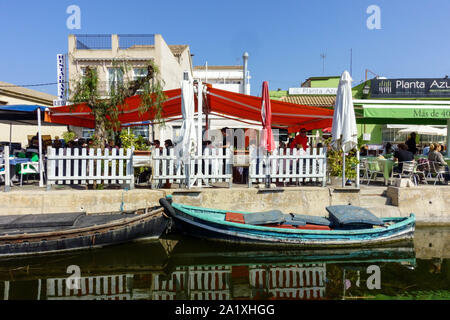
{"x":70,"y":166}
{"x":288,"y":166}
{"x":215,"y":165}
{"x":4,"y":168}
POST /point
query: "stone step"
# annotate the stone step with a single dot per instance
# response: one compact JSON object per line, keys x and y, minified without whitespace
{"x":370,"y":201}
{"x":378,"y":191}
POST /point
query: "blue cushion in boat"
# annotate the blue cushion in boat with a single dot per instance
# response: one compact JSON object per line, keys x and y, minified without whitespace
{"x":350,"y":215}
{"x":289,"y":219}
{"x":320,"y":221}
{"x":259,"y":218}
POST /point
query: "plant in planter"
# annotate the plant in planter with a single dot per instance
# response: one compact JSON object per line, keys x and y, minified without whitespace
{"x":69,"y":136}
{"x":335,"y":163}
{"x":140,"y":146}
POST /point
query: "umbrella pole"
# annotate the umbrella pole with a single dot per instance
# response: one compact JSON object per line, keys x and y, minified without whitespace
{"x":10,"y":135}
{"x":343,"y":170}
{"x":267,"y":170}
{"x":41,"y":163}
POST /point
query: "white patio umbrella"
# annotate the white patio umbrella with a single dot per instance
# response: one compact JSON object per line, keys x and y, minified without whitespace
{"x":185,"y":143}
{"x":344,"y":131}
{"x":425,"y":130}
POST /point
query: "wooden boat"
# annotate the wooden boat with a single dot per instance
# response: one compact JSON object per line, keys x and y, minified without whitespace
{"x":50,"y":233}
{"x":213,"y":224}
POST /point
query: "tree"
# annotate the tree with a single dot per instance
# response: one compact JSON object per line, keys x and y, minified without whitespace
{"x":106,"y":111}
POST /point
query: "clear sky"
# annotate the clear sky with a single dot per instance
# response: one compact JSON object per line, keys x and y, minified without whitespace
{"x":284,"y":39}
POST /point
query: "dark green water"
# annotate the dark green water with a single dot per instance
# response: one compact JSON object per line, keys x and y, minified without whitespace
{"x":189,"y":269}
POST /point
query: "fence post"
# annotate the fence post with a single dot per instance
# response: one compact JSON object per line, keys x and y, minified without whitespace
{"x":7,"y":173}
{"x":130,"y":170}
{"x":50,"y":165}
{"x":324,"y":183}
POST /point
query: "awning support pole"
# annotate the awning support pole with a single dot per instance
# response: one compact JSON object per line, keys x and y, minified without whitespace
{"x":41,"y":162}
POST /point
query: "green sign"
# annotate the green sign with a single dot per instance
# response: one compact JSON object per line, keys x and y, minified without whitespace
{"x":410,"y":112}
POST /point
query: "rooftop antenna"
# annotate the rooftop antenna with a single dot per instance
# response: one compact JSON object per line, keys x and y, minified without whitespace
{"x":323,"y":57}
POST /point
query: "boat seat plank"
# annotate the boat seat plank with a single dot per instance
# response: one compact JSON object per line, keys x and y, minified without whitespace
{"x":43,"y":220}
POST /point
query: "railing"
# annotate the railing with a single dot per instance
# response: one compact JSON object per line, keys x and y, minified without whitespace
{"x":70,"y":166}
{"x":4,"y":168}
{"x":215,"y":165}
{"x":288,"y":166}
{"x":94,"y":41}
{"x":130,"y":40}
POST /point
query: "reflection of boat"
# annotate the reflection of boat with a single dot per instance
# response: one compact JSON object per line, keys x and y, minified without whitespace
{"x":187,"y":268}
{"x":46,"y":233}
{"x":212,"y":271}
{"x":222,"y":225}
{"x":112,"y":273}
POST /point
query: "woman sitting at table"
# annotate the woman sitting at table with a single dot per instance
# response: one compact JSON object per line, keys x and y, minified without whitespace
{"x":402,"y":155}
{"x":436,"y":156}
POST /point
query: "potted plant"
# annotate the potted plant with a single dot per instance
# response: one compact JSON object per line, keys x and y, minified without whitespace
{"x":130,"y":141}
{"x":335,"y":164}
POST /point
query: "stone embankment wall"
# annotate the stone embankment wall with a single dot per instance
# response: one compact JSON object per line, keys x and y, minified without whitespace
{"x":429,"y":203}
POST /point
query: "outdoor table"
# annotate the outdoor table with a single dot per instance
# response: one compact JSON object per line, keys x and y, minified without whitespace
{"x":385,"y":166}
{"x":12,"y":167}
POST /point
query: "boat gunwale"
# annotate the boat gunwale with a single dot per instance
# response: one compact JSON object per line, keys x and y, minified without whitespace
{"x":400,"y":222}
{"x":81,"y":231}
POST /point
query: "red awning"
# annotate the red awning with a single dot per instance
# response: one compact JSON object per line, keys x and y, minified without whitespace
{"x":81,"y":115}
{"x":284,"y":115}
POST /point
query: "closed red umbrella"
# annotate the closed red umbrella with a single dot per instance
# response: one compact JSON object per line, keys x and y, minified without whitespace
{"x":267,"y":140}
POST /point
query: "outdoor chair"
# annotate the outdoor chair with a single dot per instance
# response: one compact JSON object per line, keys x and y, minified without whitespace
{"x":422,"y":169}
{"x":438,"y":170}
{"x":29,"y":168}
{"x":2,"y":169}
{"x":408,"y":168}
{"x":371,"y":169}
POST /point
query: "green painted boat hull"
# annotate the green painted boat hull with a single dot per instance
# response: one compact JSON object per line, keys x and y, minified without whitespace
{"x":210,"y":224}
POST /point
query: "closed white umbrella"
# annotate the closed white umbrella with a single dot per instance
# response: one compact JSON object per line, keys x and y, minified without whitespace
{"x":344,"y":131}
{"x":185,"y":144}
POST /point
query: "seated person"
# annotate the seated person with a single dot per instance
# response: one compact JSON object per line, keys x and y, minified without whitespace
{"x":402,"y":155}
{"x":426,"y":150}
{"x":300,"y":140}
{"x":436,"y":156}
{"x":388,"y":149}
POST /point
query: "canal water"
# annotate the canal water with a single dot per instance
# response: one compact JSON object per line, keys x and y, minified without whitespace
{"x":183,"y":268}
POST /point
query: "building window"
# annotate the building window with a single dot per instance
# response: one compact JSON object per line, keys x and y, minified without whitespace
{"x":141,"y":131}
{"x":87,"y":133}
{"x":115,"y":79}
{"x":139,"y":73}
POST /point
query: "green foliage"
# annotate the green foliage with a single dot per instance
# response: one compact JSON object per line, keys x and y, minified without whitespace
{"x":335,"y":163}
{"x":69,"y":136}
{"x":129,"y":140}
{"x":106,"y":111}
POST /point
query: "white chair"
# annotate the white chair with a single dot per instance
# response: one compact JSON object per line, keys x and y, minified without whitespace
{"x":437,"y":169}
{"x":28,"y":168}
{"x":371,"y":169}
{"x":2,"y":169}
{"x":408,"y":168}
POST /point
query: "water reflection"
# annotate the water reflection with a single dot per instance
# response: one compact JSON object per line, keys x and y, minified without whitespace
{"x":188,"y":269}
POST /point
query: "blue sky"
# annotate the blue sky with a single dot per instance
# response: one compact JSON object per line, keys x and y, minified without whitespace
{"x":284,"y":39}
